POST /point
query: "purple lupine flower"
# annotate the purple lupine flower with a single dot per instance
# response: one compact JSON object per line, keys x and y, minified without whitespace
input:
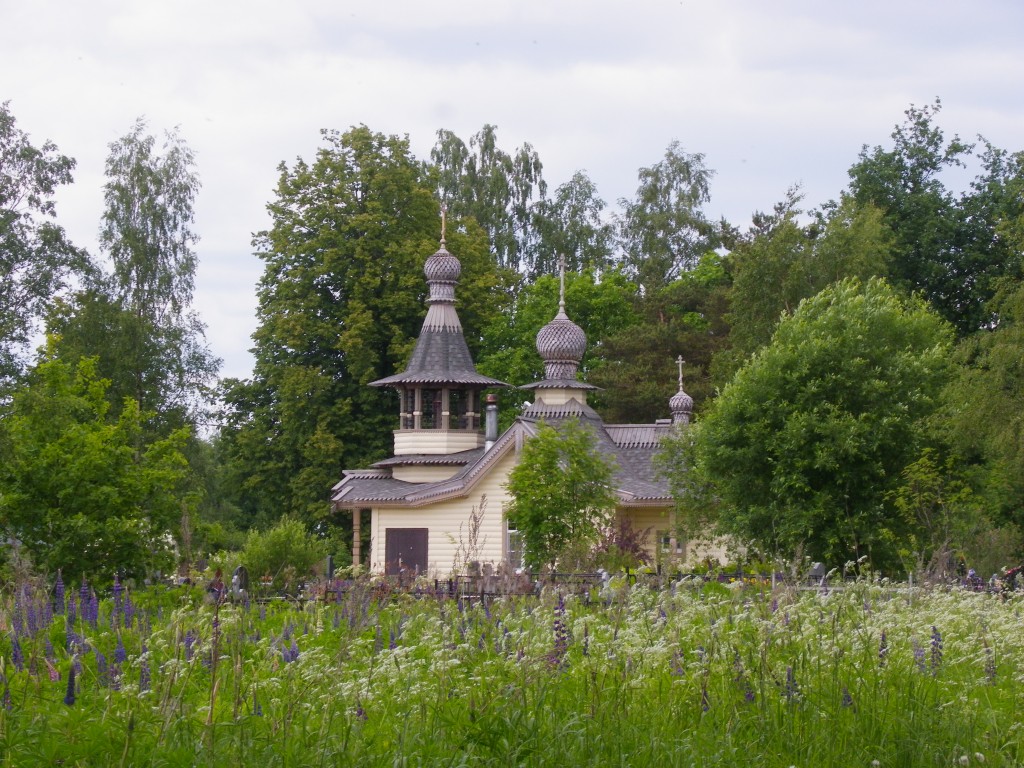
{"x":190,"y":639}
{"x":360,"y":712}
{"x":586,"y":639}
{"x":58,"y":594}
{"x":705,"y":702}
{"x":69,"y":696}
{"x":83,"y":597}
{"x":116,"y":591}
{"x":393,"y":642}
{"x":257,"y":709}
{"x":32,"y":617}
{"x":128,"y":609}
{"x":17,"y":656}
{"x":792,"y":689}
{"x":5,"y":700}
{"x":72,"y":612}
{"x":120,"y":655}
{"x":144,"y":671}
{"x":93,"y":616}
{"x":101,"y":668}
{"x":918,"y":655}
{"x":847,"y":698}
{"x":936,"y":649}
{"x":115,"y":677}
{"x":883,"y":649}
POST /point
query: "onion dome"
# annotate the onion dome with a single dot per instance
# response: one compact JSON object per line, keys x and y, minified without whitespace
{"x":680,"y":404}
{"x":442,"y":267}
{"x":561,"y":344}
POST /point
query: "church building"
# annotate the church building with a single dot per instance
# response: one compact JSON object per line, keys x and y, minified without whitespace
{"x":439,"y":502}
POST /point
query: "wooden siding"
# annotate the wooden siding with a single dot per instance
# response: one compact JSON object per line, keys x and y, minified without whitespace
{"x":448,"y":541}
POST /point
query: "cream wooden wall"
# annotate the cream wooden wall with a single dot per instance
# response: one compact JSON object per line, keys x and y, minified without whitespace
{"x":448,"y":543}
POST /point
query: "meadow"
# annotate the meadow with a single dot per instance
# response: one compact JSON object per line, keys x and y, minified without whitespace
{"x":699,"y":674}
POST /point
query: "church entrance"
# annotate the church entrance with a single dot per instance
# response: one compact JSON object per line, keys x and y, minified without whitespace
{"x":405,"y":551}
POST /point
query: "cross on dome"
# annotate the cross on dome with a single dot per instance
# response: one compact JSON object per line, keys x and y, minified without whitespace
{"x":681,"y":404}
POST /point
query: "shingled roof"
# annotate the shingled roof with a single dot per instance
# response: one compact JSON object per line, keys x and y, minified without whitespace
{"x":441,"y":355}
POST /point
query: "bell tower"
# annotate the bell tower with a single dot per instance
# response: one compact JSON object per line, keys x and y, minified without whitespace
{"x":440,"y":392}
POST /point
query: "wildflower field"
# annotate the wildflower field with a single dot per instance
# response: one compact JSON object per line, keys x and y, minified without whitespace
{"x":867,"y":675}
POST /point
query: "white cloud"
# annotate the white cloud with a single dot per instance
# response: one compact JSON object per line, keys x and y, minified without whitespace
{"x":771,"y":93}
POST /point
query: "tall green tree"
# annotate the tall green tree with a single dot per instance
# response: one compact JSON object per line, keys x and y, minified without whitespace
{"x":36,"y":258}
{"x":663,"y":230}
{"x":984,"y":414}
{"x":341,"y":302}
{"x":137,"y":319}
{"x":561,"y":491}
{"x":945,"y":245}
{"x":572,"y":223}
{"x":801,"y":448}
{"x":635,"y":365}
{"x":498,"y":190}
{"x":76,"y":492}
{"x":783,"y":261}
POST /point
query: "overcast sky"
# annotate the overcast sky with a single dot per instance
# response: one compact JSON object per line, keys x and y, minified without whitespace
{"x":773,"y":93}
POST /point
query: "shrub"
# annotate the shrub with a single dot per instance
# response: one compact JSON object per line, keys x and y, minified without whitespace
{"x":288,"y":553}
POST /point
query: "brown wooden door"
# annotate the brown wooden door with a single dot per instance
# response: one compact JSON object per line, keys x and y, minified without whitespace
{"x":405,"y":551}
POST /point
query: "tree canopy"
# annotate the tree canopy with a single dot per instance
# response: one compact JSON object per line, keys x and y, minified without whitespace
{"x":36,"y":258}
{"x":76,"y":491}
{"x":561,"y":491}
{"x":801,"y":448}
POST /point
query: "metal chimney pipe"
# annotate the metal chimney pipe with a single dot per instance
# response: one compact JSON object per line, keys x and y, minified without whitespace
{"x":490,"y":421}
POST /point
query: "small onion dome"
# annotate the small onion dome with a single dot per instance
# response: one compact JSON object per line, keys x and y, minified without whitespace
{"x":442,"y":267}
{"x":681,"y":407}
{"x":561,"y":344}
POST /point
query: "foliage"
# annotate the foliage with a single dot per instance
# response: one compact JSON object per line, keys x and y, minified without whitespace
{"x":36,"y":259}
{"x":663,"y":231}
{"x":985,"y":402}
{"x":571,"y":223}
{"x":784,"y":262}
{"x":76,"y":490}
{"x":635,"y":364}
{"x":561,"y":491}
{"x":709,"y":674}
{"x":603,"y":306}
{"x":496,"y":189}
{"x":944,"y":246}
{"x":939,"y":504}
{"x":287,"y":553}
{"x":341,"y":302}
{"x":802,"y":446}
{"x":138,"y":320}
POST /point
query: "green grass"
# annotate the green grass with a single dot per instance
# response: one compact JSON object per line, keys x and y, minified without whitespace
{"x":701,"y":677}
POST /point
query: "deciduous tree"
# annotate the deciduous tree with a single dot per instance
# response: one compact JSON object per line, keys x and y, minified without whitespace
{"x":801,"y":448}
{"x":561,"y":491}
{"x":36,"y":258}
{"x":663,"y":230}
{"x":76,"y":491}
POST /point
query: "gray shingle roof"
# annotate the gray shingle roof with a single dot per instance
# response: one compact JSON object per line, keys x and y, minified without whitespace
{"x":440,"y":357}
{"x":442,"y":459}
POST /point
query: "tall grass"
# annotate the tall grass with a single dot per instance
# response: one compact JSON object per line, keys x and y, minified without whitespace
{"x":701,"y":675}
